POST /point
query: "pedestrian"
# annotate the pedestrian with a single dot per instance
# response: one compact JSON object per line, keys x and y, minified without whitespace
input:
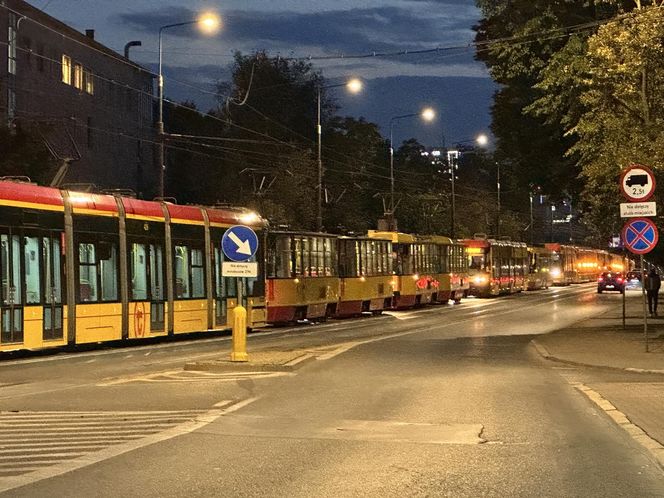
{"x":653,"y":283}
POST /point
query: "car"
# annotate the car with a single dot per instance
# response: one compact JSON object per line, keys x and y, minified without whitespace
{"x":611,"y":280}
{"x":633,"y":280}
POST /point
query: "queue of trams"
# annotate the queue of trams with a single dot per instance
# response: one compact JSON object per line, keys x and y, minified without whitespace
{"x":81,"y":268}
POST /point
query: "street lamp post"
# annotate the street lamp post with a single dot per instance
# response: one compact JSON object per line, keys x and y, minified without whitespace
{"x":427,"y":114}
{"x":209,"y":22}
{"x":354,"y":86}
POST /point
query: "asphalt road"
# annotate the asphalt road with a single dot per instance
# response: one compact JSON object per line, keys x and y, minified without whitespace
{"x":442,"y":401}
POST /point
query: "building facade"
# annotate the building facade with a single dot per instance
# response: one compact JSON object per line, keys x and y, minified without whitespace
{"x":92,"y":107}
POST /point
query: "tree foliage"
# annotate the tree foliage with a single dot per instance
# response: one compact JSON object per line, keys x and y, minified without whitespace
{"x":586,"y":101}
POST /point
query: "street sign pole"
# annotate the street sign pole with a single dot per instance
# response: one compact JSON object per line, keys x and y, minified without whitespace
{"x":640,"y":235}
{"x":239,"y":244}
{"x":624,"y":294}
{"x":643,"y":293}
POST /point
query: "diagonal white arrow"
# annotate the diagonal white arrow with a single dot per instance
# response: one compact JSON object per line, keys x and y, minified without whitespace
{"x":242,"y":247}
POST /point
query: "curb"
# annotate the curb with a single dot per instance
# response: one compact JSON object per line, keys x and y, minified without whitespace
{"x":652,"y":446}
{"x":231,"y":366}
{"x":543,"y":352}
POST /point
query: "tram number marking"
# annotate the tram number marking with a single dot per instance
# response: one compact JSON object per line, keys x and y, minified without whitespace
{"x":139,"y":320}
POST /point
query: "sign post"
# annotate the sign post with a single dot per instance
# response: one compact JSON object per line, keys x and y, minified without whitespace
{"x":639,"y":235}
{"x":239,"y":244}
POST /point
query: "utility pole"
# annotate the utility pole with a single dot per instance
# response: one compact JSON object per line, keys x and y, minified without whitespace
{"x":532,"y":222}
{"x":498,"y":188}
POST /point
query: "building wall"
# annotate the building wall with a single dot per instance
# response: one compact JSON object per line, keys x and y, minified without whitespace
{"x":92,"y":103}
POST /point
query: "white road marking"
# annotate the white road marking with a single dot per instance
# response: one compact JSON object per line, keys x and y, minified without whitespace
{"x":37,"y":467}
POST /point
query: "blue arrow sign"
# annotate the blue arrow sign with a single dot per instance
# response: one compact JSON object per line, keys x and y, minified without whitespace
{"x":640,"y":235}
{"x":239,"y":243}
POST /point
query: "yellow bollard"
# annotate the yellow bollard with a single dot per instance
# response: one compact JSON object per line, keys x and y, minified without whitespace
{"x":239,"y":347}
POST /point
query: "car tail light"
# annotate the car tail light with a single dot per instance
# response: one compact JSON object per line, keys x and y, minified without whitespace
{"x":600,"y":279}
{"x":619,"y":280}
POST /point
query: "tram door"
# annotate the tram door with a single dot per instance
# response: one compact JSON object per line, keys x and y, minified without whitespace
{"x":11,"y":307}
{"x":220,"y":291}
{"x":51,"y":273}
{"x":157,"y":294}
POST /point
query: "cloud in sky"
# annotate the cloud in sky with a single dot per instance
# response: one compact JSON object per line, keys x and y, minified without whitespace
{"x":338,"y":31}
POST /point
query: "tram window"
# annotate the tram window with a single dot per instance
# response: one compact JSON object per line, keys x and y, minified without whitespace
{"x":197,"y":274}
{"x":477,"y":262}
{"x":279,"y":257}
{"x":182,"y":272}
{"x":32,"y":270}
{"x":52,"y":265}
{"x":87,"y":273}
{"x":378,"y":255}
{"x":315,"y":256}
{"x":108,"y":271}
{"x":139,"y":273}
{"x":331,"y":258}
{"x":156,"y":273}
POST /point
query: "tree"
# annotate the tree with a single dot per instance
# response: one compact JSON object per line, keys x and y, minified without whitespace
{"x":607,"y":93}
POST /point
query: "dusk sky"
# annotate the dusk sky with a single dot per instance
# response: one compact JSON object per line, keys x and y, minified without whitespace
{"x":452,"y":82}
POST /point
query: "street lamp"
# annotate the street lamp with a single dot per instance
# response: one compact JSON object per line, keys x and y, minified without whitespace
{"x":353,"y":85}
{"x":427,"y":114}
{"x":208,"y":23}
{"x":483,"y":140}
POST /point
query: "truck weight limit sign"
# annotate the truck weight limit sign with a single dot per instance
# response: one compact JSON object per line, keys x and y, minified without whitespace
{"x":637,"y":183}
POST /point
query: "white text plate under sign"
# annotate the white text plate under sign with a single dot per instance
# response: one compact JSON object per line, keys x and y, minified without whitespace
{"x":637,"y":209}
{"x":239,"y":269}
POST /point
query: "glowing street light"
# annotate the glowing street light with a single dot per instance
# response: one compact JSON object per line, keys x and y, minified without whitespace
{"x":208,"y":23}
{"x":427,"y":114}
{"x":353,"y":85}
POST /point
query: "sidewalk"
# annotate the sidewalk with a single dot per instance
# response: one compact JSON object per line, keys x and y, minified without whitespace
{"x":602,"y":342}
{"x":636,"y":404}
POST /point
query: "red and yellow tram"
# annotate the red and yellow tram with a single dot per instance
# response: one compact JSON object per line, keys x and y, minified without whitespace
{"x":302,"y":276}
{"x":496,"y":266}
{"x":84,"y":268}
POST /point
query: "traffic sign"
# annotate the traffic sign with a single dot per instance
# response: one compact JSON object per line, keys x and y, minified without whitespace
{"x":637,"y":209}
{"x":637,"y":183}
{"x":640,"y":235}
{"x":239,"y":243}
{"x":239,"y":269}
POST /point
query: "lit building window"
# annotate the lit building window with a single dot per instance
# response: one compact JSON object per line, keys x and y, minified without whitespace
{"x":89,"y":82}
{"x":78,"y":76}
{"x":66,"y":69}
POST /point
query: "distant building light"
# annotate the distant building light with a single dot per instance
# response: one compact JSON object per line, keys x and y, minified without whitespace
{"x":435,"y":153}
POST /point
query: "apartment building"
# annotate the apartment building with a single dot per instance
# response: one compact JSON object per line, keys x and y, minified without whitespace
{"x":91,"y":106}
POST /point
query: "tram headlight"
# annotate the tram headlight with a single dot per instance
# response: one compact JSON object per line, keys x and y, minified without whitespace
{"x":480,"y":279}
{"x":555,"y":272}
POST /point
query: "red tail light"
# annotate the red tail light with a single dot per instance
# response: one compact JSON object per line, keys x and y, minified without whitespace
{"x":600,"y":279}
{"x":619,"y":280}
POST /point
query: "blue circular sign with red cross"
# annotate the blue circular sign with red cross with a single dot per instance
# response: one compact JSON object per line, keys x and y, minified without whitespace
{"x":640,"y":235}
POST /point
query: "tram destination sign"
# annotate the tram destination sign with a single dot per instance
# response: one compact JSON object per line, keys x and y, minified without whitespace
{"x":637,"y":209}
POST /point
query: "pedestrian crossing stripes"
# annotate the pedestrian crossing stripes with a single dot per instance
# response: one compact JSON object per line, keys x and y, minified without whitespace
{"x":183,"y":376}
{"x":30,"y":441}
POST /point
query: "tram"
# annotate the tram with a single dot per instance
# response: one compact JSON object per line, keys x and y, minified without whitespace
{"x":449,"y":266}
{"x":82,"y":268}
{"x":496,"y":266}
{"x":302,"y":276}
{"x":539,"y":265}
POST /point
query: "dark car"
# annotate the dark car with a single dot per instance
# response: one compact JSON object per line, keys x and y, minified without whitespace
{"x":611,"y":281}
{"x":633,"y":280}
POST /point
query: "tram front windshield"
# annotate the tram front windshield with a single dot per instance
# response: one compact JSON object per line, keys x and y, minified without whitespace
{"x":477,"y":260}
